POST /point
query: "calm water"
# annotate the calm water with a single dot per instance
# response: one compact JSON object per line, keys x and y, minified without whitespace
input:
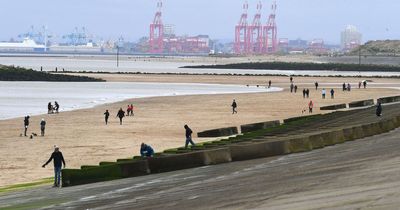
{"x":132,"y":65}
{"x":30,"y":98}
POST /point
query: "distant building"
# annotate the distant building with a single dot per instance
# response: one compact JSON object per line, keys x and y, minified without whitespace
{"x":27,"y":45}
{"x":350,"y":38}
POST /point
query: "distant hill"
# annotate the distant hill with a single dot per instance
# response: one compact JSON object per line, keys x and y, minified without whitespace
{"x":10,"y":73}
{"x":379,"y":47}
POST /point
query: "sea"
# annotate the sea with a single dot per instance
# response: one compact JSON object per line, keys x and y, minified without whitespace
{"x":18,"y":99}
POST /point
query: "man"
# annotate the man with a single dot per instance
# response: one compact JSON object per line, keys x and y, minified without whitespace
{"x":146,"y":150}
{"x":58,"y":161}
{"x":323,"y":93}
{"x":379,"y":109}
{"x":56,"y":106}
{"x":106,"y":116}
{"x":42,"y":126}
{"x":316,"y":85}
{"x":365,"y":84}
{"x":344,"y":87}
{"x":234,"y":106}
{"x":120,"y":115}
{"x":26,"y":125}
{"x":304,"y":93}
{"x":310,"y":106}
{"x":269,"y":84}
{"x":332,"y":94}
{"x":188,"y":134}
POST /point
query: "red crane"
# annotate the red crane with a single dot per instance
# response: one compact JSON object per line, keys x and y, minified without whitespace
{"x":255,"y":33}
{"x":241,"y":35}
{"x":156,"y":40}
{"x":271,"y":32}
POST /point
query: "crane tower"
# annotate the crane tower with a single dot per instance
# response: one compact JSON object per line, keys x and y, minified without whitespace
{"x":255,"y":33}
{"x":241,"y":34}
{"x":156,"y":39}
{"x":271,"y":32}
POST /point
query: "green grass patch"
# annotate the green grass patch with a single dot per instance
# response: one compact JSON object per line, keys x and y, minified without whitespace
{"x":24,"y":186}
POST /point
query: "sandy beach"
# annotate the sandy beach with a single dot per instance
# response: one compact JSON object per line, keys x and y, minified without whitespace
{"x":84,"y":139}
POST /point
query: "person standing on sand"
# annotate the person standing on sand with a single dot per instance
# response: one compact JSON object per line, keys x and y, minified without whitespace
{"x":291,"y":79}
{"x":379,"y":109}
{"x":348,"y":87}
{"x":58,"y":160}
{"x":295,"y":88}
{"x":323,"y":93}
{"x":106,"y":116}
{"x":269,"y":84}
{"x":49,"y":108}
{"x":365,"y":84}
{"x":26,"y":125}
{"x":56,"y":106}
{"x":308,"y":93}
{"x":316,"y":85}
{"x":344,"y":86}
{"x":310,"y":106}
{"x":332,"y":94}
{"x":234,"y":106}
{"x":132,"y":110}
{"x":42,"y":126}
{"x":120,"y":115}
{"x":304,"y":93}
{"x":359,"y":85}
{"x":188,"y":134}
{"x":291,"y":87}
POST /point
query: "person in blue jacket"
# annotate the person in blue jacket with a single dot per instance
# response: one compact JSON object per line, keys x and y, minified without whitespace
{"x":146,"y":150}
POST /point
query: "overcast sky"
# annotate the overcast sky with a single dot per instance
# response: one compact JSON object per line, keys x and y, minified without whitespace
{"x":305,"y":19}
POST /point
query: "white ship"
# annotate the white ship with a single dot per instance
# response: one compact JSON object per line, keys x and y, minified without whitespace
{"x":27,"y":45}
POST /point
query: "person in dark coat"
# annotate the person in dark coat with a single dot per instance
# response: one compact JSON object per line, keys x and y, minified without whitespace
{"x":58,"y":161}
{"x":304,"y":93}
{"x":188,"y":135}
{"x":379,"y":109}
{"x":56,"y":106}
{"x":26,"y":125}
{"x":50,"y":108}
{"x":234,"y":106}
{"x":344,"y":87}
{"x":106,"y":116}
{"x":146,"y":150}
{"x":120,"y":115}
{"x":269,"y":83}
{"x":332,"y":93}
{"x":316,"y":85}
{"x":42,"y":126}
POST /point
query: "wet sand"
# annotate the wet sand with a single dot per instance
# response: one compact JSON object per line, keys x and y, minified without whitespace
{"x":85,"y":140}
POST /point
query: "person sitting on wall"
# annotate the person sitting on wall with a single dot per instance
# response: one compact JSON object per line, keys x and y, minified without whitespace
{"x":146,"y":150}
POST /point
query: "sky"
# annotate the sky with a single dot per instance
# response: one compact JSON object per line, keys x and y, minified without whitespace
{"x":110,"y":19}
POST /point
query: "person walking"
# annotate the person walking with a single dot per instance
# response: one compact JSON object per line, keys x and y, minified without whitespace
{"x":42,"y":126}
{"x":120,"y":115}
{"x":269,"y":84}
{"x":365,"y":84}
{"x":132,"y":110}
{"x":234,"y":106}
{"x":188,"y":134}
{"x":304,"y":93}
{"x":332,"y":93}
{"x":146,"y":150}
{"x":323,"y":93}
{"x":316,"y":85}
{"x":58,"y":160}
{"x":310,"y":106}
{"x":348,"y":87}
{"x":359,"y":85}
{"x":106,"y":116}
{"x":308,"y":93}
{"x":26,"y":125}
{"x":379,"y":109}
{"x":291,"y":87}
{"x":291,"y":79}
{"x":344,"y":86}
{"x":295,"y":89}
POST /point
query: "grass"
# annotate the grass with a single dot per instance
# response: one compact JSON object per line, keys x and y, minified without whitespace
{"x":25,"y":186}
